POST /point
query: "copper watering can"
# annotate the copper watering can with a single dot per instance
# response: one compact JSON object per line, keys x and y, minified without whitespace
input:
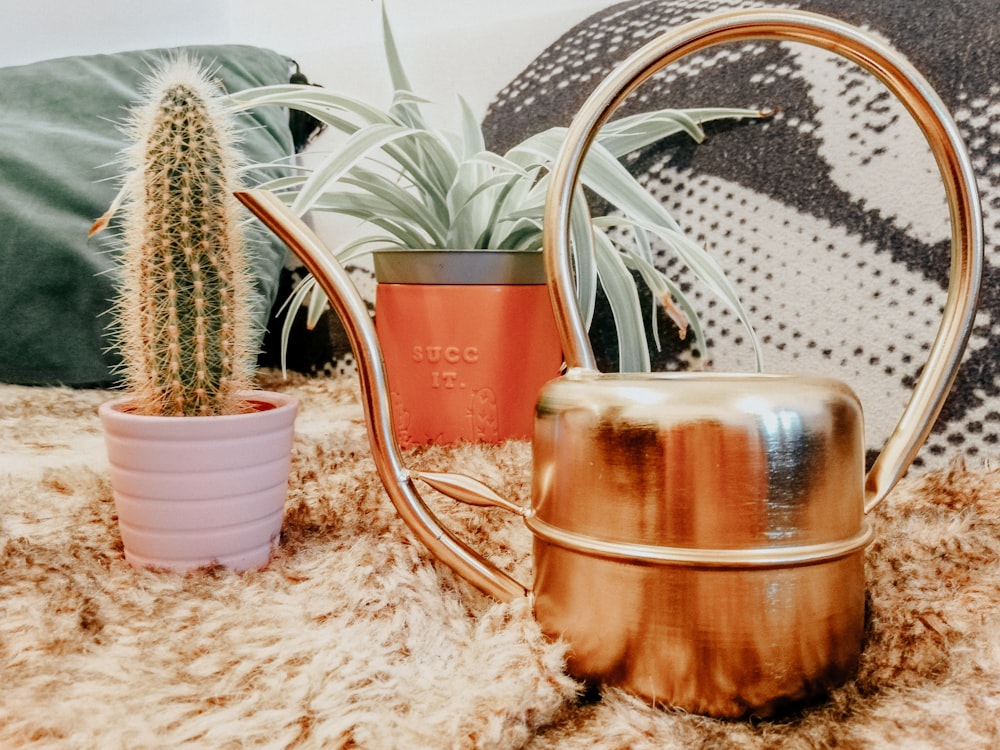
{"x":698,"y":539}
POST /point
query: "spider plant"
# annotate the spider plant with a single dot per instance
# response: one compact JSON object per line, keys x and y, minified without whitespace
{"x":414,"y":186}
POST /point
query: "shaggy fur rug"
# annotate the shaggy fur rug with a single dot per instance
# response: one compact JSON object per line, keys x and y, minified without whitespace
{"x":354,"y":637}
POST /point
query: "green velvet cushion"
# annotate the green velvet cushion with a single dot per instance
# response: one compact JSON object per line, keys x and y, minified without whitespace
{"x":58,"y":144}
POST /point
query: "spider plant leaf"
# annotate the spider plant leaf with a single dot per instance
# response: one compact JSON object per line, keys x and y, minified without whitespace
{"x":472,"y":133}
{"x":694,"y":322}
{"x":317,"y":304}
{"x":654,"y":281}
{"x":430,"y":185}
{"x":628,"y":134}
{"x":283,"y":185}
{"x":660,"y":286}
{"x":283,"y":166}
{"x":330,"y":109}
{"x":498,"y":196}
{"x":524,"y":234}
{"x":479,"y":214}
{"x":584,"y":257}
{"x":467,"y":214}
{"x":633,"y":352}
{"x":492,"y":193}
{"x":704,"y":267}
{"x":606,"y":176}
{"x":361,"y":246}
{"x":517,"y":202}
{"x":501,"y":185}
{"x":408,"y":206}
{"x":527,"y":198}
{"x":500,"y":164}
{"x":420,"y":187}
{"x":408,"y":112}
{"x":664,"y":122}
{"x":355,"y":149}
{"x":354,"y":204}
{"x":374,"y":211}
{"x":710,"y":272}
{"x":643,"y":249}
{"x":642,"y":244}
{"x":403,"y":96}
{"x":290,"y":308}
{"x":646,"y":212}
{"x":326,"y":106}
{"x":430,"y":163}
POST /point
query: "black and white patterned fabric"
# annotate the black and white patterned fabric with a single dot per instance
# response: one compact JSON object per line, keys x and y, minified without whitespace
{"x":830,"y":217}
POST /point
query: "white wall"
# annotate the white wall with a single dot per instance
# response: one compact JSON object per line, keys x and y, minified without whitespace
{"x":471,"y":47}
{"x":33,"y":30}
{"x":449,"y":47}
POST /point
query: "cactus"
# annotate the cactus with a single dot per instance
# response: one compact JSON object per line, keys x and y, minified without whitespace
{"x":182,"y":317}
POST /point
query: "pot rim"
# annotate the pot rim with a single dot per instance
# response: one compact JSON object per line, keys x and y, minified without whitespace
{"x":277,"y":403}
{"x":452,"y":267}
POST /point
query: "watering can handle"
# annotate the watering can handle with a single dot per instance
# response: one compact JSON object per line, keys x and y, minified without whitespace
{"x":924,"y":106}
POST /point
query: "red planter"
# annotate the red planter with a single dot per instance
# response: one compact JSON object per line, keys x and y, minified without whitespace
{"x":467,"y":353}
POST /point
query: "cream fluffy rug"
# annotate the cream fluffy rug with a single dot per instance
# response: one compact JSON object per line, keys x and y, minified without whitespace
{"x":354,"y":637}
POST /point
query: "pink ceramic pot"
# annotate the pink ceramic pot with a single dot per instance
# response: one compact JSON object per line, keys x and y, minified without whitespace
{"x":195,"y":491}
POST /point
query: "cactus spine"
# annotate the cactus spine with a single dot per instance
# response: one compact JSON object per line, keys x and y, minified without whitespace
{"x":184,"y":329}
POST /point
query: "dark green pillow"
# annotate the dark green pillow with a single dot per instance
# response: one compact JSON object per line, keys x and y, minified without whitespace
{"x":58,"y":144}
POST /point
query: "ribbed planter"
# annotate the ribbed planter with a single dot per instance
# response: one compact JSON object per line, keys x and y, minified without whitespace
{"x":468,"y":339}
{"x":196,"y":491}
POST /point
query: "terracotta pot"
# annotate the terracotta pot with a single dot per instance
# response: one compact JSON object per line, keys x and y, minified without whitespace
{"x":468,"y":339}
{"x":195,"y":491}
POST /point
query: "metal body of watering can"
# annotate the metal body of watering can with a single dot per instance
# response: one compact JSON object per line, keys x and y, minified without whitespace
{"x":698,"y":539}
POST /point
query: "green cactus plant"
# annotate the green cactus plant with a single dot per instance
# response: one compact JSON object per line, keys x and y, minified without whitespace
{"x":182,"y":317}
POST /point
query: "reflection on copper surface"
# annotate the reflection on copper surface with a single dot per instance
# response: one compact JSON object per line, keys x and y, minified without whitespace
{"x":695,"y":468}
{"x":723,"y":642}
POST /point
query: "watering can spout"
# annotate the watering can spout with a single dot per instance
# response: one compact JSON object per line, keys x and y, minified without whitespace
{"x":396,"y":477}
